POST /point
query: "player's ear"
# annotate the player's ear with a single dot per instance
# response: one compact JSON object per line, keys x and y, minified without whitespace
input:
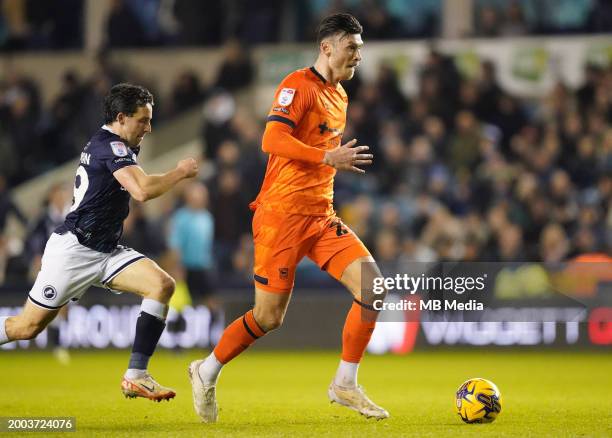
{"x":120,"y":118}
{"x":326,"y":46}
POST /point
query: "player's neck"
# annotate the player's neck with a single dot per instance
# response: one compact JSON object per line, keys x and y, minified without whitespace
{"x":115,"y":128}
{"x":112,"y":128}
{"x":323,"y":68}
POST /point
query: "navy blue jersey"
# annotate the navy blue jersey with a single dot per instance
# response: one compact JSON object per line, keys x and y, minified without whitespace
{"x":100,"y":204}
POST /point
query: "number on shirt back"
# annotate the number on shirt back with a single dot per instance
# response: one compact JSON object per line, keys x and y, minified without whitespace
{"x":81,"y":182}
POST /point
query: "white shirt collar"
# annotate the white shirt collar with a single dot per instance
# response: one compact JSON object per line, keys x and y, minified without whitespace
{"x":108,"y":128}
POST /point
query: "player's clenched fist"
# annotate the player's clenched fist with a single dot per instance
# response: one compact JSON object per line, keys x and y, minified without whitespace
{"x":347,"y":157}
{"x":189,"y":167}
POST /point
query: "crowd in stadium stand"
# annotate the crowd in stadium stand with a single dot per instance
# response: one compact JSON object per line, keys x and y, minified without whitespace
{"x":40,"y":25}
{"x":462,"y":170}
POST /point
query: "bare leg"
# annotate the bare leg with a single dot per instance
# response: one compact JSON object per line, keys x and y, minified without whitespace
{"x":29,"y":323}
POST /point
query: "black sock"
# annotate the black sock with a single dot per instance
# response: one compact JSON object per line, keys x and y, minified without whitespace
{"x":148,"y":331}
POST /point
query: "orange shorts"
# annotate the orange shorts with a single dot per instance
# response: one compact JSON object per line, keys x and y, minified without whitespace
{"x":281,"y":241}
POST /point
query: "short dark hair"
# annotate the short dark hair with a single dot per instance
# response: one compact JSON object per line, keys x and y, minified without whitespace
{"x":338,"y":23}
{"x":125,"y":98}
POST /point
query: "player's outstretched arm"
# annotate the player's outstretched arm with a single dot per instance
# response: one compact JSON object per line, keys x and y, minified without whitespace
{"x":348,"y":157}
{"x":143,"y":187}
{"x":278,"y":140}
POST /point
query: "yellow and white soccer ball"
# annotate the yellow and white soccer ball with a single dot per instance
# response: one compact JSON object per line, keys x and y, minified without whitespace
{"x":478,"y":401}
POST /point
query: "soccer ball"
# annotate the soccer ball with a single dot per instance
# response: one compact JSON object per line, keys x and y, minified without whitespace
{"x":478,"y":401}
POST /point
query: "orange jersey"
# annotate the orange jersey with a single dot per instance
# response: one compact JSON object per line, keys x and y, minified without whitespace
{"x":313,"y":112}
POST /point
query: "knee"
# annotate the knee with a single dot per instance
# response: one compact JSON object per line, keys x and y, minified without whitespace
{"x":165,"y":288}
{"x":375,"y":288}
{"x":268,"y":320}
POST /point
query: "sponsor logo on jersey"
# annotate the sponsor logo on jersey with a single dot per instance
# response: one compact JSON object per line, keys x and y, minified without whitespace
{"x":323,"y":128}
{"x":49,"y":292}
{"x":285,"y":97}
{"x":122,"y":160}
{"x":119,"y":148}
{"x":280,"y":109}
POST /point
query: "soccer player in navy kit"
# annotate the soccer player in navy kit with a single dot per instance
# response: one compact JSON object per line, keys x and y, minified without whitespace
{"x":84,"y":250}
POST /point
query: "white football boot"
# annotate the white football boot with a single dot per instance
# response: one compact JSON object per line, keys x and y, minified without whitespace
{"x":204,"y":396}
{"x":355,"y":399}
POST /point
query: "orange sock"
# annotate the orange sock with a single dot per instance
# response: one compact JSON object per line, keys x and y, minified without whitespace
{"x":237,"y":337}
{"x":357,"y":332}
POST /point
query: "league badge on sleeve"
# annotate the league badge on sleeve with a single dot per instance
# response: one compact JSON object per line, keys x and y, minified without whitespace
{"x":285,"y":97}
{"x":119,"y":148}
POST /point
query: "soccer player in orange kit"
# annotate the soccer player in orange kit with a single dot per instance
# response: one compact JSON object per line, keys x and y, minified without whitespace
{"x":294,"y":217}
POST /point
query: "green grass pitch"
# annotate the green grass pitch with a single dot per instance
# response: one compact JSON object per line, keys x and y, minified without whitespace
{"x":552,"y":394}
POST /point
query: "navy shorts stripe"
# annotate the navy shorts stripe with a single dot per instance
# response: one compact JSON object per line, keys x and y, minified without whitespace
{"x":262,"y":280}
{"x":365,"y":306}
{"x":44,"y":305}
{"x":258,"y":326}
{"x":281,"y":119}
{"x":121,"y":268}
{"x":248,"y":329}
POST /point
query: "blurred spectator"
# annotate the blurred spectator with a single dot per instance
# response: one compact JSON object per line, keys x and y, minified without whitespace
{"x":7,"y":206}
{"x":242,"y":260}
{"x":96,"y":89}
{"x":141,"y":232}
{"x":541,"y":17}
{"x":515,"y":24}
{"x":465,"y":146}
{"x":236,"y":71}
{"x":420,"y":20}
{"x":488,"y":23}
{"x":123,"y":27}
{"x":57,"y":205}
{"x":387,"y":250}
{"x":191,"y":236}
{"x":231,"y":214}
{"x":377,"y":21}
{"x":187,"y":92}
{"x":56,"y":25}
{"x":219,"y":110}
{"x":42,"y":25}
{"x":586,"y":93}
{"x":14,"y":14}
{"x":61,"y":136}
{"x":510,"y":245}
{"x":200,"y":23}
{"x":554,"y":246}
{"x":257,"y":22}
{"x":387,"y":82}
